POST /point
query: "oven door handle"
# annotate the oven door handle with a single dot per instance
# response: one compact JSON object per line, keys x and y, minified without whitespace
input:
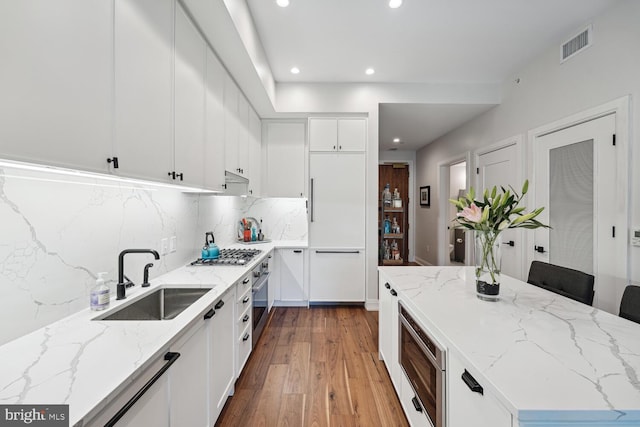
{"x":263,"y":281}
{"x":418,"y":341}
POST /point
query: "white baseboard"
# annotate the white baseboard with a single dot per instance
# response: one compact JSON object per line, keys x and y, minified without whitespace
{"x":278,"y":303}
{"x":371,"y":305}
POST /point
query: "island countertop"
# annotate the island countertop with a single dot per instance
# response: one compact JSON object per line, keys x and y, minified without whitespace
{"x":546,"y":357}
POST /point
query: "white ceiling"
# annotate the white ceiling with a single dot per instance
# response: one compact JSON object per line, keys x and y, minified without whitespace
{"x":424,"y":41}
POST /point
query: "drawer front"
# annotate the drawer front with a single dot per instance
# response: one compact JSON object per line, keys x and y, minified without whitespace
{"x":244,"y":348}
{"x":243,"y":286}
{"x":243,"y":320}
{"x":244,"y":301}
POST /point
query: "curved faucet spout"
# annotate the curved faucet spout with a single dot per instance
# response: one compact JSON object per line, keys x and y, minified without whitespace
{"x":122,"y":285}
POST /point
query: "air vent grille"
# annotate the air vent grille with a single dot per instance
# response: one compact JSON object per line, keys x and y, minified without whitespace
{"x":576,"y":44}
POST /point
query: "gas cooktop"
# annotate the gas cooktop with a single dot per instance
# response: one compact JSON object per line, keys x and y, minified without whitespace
{"x":230,"y":257}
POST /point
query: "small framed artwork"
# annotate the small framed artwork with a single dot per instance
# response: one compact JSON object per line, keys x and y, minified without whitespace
{"x":425,"y":196}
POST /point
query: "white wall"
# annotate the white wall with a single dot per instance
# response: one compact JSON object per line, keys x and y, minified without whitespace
{"x":548,"y":91}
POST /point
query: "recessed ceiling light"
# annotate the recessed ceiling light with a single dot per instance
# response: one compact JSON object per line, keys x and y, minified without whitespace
{"x":394,"y":4}
{"x":369,"y":71}
{"x":396,"y":140}
{"x":295,"y":70}
{"x":285,"y":3}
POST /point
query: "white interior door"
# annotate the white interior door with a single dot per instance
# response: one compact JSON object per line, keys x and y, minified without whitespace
{"x":500,"y":168}
{"x":575,"y":173}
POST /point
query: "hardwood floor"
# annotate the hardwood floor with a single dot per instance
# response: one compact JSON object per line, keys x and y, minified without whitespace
{"x":315,"y":367}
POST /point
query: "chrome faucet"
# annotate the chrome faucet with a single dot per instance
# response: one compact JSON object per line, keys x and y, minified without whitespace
{"x":122,"y":285}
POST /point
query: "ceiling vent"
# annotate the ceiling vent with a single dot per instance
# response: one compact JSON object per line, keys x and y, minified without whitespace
{"x":577,"y":44}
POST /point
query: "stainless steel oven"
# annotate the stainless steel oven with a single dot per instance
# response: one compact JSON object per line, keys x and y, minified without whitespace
{"x":423,"y":362}
{"x":260,"y":288}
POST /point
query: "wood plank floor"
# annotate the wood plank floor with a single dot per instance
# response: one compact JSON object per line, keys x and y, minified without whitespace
{"x":315,"y":367}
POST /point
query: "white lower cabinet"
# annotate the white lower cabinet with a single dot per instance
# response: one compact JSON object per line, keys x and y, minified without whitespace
{"x":188,"y":382}
{"x":290,"y":276}
{"x":471,"y":408}
{"x":244,"y":322}
{"x":151,"y":409}
{"x":221,"y":353}
{"x":388,"y":331}
{"x":416,"y":418}
{"x":337,"y":275}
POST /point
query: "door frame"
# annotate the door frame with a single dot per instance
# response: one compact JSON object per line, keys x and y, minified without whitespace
{"x":443,"y":210}
{"x":518,"y":141}
{"x":621,"y":107}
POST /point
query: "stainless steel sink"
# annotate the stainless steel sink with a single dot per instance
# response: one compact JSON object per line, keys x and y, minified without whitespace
{"x":161,"y":304}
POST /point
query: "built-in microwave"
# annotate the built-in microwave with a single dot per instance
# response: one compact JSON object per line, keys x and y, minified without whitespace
{"x":423,"y":363}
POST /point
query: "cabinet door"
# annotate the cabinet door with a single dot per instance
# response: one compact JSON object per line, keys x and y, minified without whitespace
{"x":323,"y":134}
{"x":255,"y":154}
{"x":291,"y":264}
{"x":285,"y":159}
{"x":466,"y":407}
{"x":352,"y":134}
{"x":56,"y":82}
{"x":221,"y":352}
{"x":416,"y":418}
{"x":388,"y":331}
{"x":152,"y":409}
{"x":188,"y":380}
{"x":189,"y":101}
{"x":337,"y":200}
{"x":336,"y":276}
{"x":231,"y":125}
{"x":143,"y":88}
{"x":214,"y":124}
{"x":243,"y":136}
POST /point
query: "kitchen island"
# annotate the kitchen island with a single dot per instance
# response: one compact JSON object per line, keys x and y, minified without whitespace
{"x":545,"y":359}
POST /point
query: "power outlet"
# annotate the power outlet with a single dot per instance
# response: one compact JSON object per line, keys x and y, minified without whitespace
{"x":164,"y":246}
{"x":173,"y":244}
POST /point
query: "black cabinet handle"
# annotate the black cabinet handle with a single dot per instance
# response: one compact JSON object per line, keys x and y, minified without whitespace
{"x":245,"y":281}
{"x":297,"y":251}
{"x":209,"y":314}
{"x":245,"y":318}
{"x":246,"y":299}
{"x":471,"y":382}
{"x":416,"y":404}
{"x":170,"y":357}
{"x":393,"y":292}
{"x":172,"y":174}
{"x":510,"y":243}
{"x":245,"y":337}
{"x":219,"y":304}
{"x":180,"y":175}
{"x":387,"y":285}
{"x":539,"y":249}
{"x":113,"y":160}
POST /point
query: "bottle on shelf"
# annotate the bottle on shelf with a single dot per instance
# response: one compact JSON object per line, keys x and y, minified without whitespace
{"x":395,"y":227}
{"x":387,"y":225}
{"x":397,"y":202}
{"x":386,"y":196}
{"x":387,"y":250}
{"x":395,"y":252}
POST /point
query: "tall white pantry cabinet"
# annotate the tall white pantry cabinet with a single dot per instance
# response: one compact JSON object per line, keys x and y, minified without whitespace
{"x":337,"y":209}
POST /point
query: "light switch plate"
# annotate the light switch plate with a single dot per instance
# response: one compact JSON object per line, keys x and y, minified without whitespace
{"x":173,"y":244}
{"x":164,"y":246}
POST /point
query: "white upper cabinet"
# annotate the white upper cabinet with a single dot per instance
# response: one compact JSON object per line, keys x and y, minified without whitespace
{"x":143,"y":88}
{"x":214,"y":124}
{"x":255,"y":154}
{"x":285,"y":143}
{"x":231,"y":125}
{"x":343,"y":134}
{"x":190,"y":54}
{"x":243,"y":136}
{"x":56,"y":81}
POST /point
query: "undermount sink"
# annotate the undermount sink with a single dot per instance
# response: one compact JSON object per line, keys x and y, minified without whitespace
{"x":161,"y":304}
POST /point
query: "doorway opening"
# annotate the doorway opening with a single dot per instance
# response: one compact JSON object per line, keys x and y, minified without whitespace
{"x":393,"y":214}
{"x":457,"y":189}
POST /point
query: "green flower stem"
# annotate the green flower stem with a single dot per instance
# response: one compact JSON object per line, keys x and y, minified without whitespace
{"x":489,"y":258}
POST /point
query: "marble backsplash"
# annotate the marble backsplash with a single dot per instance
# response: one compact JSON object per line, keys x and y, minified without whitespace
{"x":58,"y":231}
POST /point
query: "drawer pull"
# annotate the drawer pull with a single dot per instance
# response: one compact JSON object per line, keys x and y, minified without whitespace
{"x":209,"y":314}
{"x":471,"y":382}
{"x":297,"y":251}
{"x":245,"y":281}
{"x":245,"y":337}
{"x":393,"y":292}
{"x":246,"y":299}
{"x":416,"y":404}
{"x":388,"y":286}
{"x":219,"y":305}
{"x":245,"y":318}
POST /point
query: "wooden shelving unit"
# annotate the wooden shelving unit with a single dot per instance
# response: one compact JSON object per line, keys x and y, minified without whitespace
{"x":400,"y":215}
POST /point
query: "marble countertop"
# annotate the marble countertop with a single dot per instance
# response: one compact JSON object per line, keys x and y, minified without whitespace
{"x":85,"y":363}
{"x":546,"y":357}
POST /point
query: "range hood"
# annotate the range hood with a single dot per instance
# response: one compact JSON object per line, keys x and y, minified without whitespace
{"x":232,"y":178}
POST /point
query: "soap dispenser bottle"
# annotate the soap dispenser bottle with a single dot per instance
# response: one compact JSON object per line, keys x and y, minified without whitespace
{"x":100,"y":294}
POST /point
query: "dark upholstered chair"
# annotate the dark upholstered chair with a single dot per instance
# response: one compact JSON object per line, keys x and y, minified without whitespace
{"x":567,"y":282}
{"x":630,"y":304}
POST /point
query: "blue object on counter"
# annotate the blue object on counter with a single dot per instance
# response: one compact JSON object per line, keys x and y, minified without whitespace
{"x":210,"y":249}
{"x":254,"y":235}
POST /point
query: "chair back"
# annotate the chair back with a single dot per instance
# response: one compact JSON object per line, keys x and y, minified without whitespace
{"x":630,"y":304}
{"x":564,"y":281}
